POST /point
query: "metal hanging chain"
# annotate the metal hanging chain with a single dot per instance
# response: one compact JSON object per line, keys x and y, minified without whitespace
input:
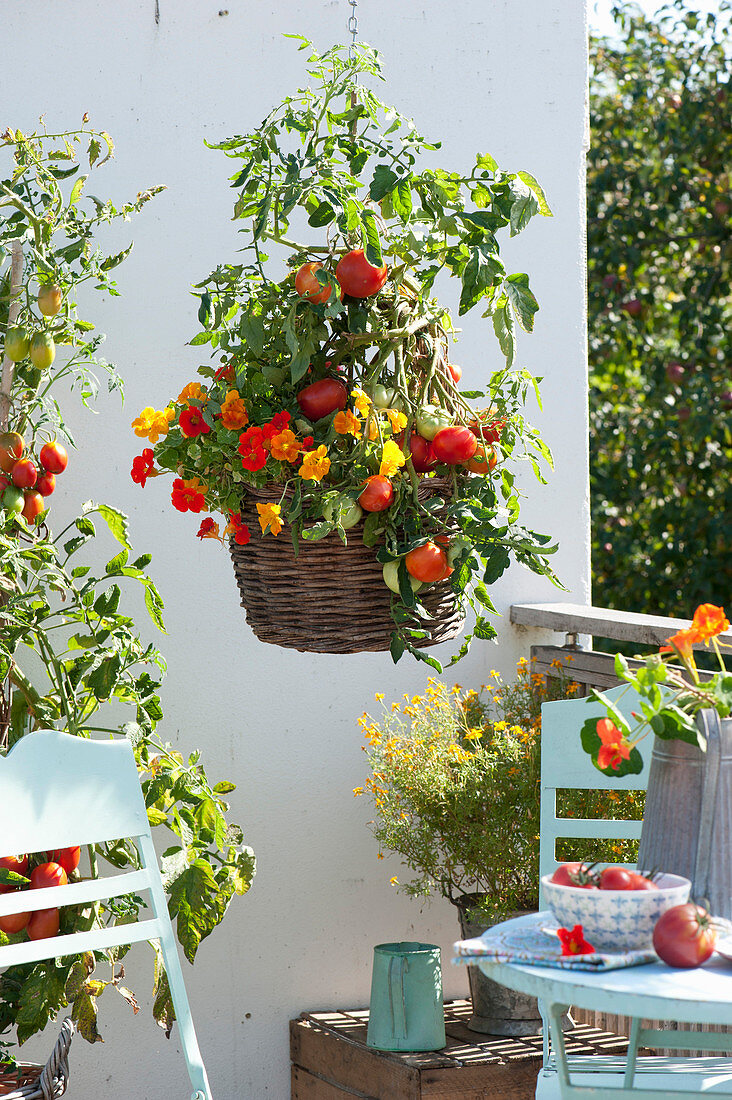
{"x":353,"y":28}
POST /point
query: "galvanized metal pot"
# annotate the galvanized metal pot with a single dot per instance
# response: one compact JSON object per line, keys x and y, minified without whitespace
{"x":687,"y":826}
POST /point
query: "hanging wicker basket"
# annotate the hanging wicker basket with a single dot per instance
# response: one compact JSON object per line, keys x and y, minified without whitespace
{"x":331,"y":598}
{"x":32,"y":1082}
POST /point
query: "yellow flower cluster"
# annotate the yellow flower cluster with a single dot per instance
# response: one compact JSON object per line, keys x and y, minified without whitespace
{"x":269,"y":518}
{"x":151,"y":424}
{"x":315,"y":464}
{"x":193,"y":390}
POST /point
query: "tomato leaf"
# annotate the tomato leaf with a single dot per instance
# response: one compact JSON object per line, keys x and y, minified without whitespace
{"x":383,"y":182}
{"x":116,"y":522}
{"x":371,"y":241}
{"x":538,"y":192}
{"x":397,"y":646}
{"x":522,"y":299}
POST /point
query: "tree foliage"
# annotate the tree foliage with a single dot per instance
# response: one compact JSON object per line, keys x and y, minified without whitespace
{"x":660,"y":260}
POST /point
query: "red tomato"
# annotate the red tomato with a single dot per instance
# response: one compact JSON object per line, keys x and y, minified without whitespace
{"x":487,"y":426}
{"x":19,"y":864}
{"x":33,"y":505}
{"x":14,"y":922}
{"x":421,"y":450}
{"x":43,"y":924}
{"x":48,"y":874}
{"x":24,"y":473}
{"x":574,"y":874}
{"x":483,"y":461}
{"x":46,"y":483}
{"x":308,"y":287}
{"x":54,"y":457}
{"x":454,"y":445}
{"x":640,"y":882}
{"x":321,"y":398}
{"x":684,"y":936}
{"x":12,"y":446}
{"x":378,"y":494}
{"x":359,"y":278}
{"x":616,"y":878}
{"x":427,"y":563}
{"x":455,"y":371}
{"x":68,"y":858}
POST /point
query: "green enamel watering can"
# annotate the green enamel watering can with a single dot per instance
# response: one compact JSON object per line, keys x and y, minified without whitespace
{"x":406,"y":1011}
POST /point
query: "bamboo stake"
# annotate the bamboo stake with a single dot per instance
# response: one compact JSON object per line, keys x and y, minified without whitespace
{"x":16,"y":278}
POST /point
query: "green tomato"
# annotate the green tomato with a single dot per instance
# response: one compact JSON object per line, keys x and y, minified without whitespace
{"x":431,"y":419}
{"x":350,"y":512}
{"x":456,"y":549}
{"x":17,"y":344}
{"x":382,"y":397}
{"x":12,"y":499}
{"x":42,"y":350}
{"x":391,"y":577}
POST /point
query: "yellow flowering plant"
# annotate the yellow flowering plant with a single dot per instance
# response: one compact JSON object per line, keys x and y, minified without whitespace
{"x":330,"y":384}
{"x":454,"y":782}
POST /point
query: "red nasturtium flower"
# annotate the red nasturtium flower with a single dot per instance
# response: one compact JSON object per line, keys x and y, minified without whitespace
{"x":227,"y":372}
{"x":251,"y":449}
{"x":186,"y":498}
{"x":709,"y":621}
{"x":307,"y":443}
{"x":574,"y":942}
{"x":142,"y":466}
{"x":614,"y":746}
{"x":239,"y":530}
{"x":277,"y":424}
{"x":191,"y":423}
{"x":209,"y":529}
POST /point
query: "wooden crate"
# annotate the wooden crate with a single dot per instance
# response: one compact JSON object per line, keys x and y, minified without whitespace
{"x":330,"y":1060}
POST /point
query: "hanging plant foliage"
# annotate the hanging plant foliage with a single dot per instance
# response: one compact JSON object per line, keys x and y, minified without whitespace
{"x":331,"y":412}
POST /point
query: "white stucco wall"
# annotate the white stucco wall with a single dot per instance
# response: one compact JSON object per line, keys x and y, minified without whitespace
{"x":491,"y":75}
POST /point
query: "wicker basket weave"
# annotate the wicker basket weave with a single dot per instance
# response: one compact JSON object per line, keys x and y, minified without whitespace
{"x":30,"y":1082}
{"x":331,"y":598}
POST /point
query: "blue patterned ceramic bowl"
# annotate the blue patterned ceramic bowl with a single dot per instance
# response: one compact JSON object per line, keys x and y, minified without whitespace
{"x":615,"y":920}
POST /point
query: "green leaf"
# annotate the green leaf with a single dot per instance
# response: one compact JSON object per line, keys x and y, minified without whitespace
{"x":84,"y":1015}
{"x":116,"y":522}
{"x":117,"y":563}
{"x":197,"y":903}
{"x":503,"y":327}
{"x":251,"y":327}
{"x":383,"y":182}
{"x":530,"y":182}
{"x":396,"y":647}
{"x":116,"y":260}
{"x":154,"y":605}
{"x":401,"y":198}
{"x":204,"y":310}
{"x":523,"y":209}
{"x":322,"y":215}
{"x":521,"y":298}
{"x":371,"y":242}
{"x":76,"y":190}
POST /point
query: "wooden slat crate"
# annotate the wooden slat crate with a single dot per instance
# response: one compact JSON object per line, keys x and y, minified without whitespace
{"x":330,"y":1060}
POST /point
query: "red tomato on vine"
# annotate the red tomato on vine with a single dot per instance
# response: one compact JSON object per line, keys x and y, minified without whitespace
{"x":378,"y":494}
{"x":357,"y":277}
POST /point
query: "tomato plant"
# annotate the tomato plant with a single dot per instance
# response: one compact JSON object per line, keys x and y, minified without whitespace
{"x":50,"y":297}
{"x":48,"y":874}
{"x":321,"y":398}
{"x":43,"y":924}
{"x":454,"y":445}
{"x":684,"y":936}
{"x":17,"y":344}
{"x":308,"y":286}
{"x":42,"y":350}
{"x":54,"y":457}
{"x":390,"y":573}
{"x":487,"y":426}
{"x":483,"y":461}
{"x":68,"y":858}
{"x":427,"y":563}
{"x":456,"y":372}
{"x":431,"y":419}
{"x":378,"y":494}
{"x":33,"y":505}
{"x":18,"y":865}
{"x":357,"y":277}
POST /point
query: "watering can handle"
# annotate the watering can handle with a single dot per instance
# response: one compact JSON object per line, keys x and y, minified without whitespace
{"x":397,"y":1002}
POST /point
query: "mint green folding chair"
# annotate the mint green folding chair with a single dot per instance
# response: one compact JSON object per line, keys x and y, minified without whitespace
{"x":564,"y":765}
{"x":58,"y":791}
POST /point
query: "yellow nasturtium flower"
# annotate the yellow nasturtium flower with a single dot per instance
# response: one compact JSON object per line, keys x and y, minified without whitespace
{"x":392,"y":458}
{"x":151,"y":424}
{"x":347,"y":423}
{"x":315,"y":464}
{"x":192,"y":390}
{"x":362,"y":401}
{"x":269,"y":517}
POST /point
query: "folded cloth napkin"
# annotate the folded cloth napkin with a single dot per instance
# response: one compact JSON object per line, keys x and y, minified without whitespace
{"x":533,"y":942}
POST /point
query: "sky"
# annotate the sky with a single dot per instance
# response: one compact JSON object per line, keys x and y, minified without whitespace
{"x":601,"y":20}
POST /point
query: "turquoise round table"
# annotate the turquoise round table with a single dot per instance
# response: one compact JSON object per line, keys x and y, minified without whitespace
{"x":653,"y":991}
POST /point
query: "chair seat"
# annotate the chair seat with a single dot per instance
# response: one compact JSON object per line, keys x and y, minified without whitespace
{"x":604,"y":1075}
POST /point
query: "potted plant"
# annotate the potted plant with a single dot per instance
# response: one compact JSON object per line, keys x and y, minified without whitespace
{"x":367,"y":497}
{"x":455,"y":786}
{"x":71,"y":655}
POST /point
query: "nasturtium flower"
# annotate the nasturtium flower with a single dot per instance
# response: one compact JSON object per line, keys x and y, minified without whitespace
{"x":191,"y":423}
{"x":239,"y":530}
{"x":392,"y":458}
{"x":397,"y":419}
{"x":574,"y":942}
{"x":227,"y":372}
{"x":152,"y":424}
{"x":683,"y":642}
{"x":362,"y":401}
{"x":187,"y":497}
{"x":233,"y":411}
{"x":142,"y":467}
{"x":285,"y":447}
{"x":709,"y":621}
{"x":209,"y":529}
{"x":193,"y":390}
{"x":315,"y":464}
{"x":269,"y":518}
{"x":277,"y":424}
{"x":615,"y":746}
{"x":346,"y":423}
{"x":251,"y":449}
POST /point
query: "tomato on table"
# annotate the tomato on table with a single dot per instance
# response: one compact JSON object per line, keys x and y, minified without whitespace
{"x":579,"y":875}
{"x":378,"y":494}
{"x":357,"y":277}
{"x":684,"y":936}
{"x":616,"y":878}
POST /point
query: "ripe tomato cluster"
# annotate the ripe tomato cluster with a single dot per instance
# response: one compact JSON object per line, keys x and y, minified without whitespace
{"x":583,"y":876}
{"x":41,"y":923}
{"x":354,"y":275}
{"x":23,"y":486}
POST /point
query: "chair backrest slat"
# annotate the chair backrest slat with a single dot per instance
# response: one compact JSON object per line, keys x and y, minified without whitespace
{"x":114,"y":886}
{"x":97,"y":939}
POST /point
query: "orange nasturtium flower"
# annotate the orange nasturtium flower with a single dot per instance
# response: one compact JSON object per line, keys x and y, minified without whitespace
{"x":682,"y":642}
{"x":285,"y":446}
{"x":192,"y":390}
{"x":392,"y":458}
{"x":709,"y":621}
{"x":151,"y":424}
{"x":615,"y":746}
{"x":269,"y":517}
{"x":347,"y":423}
{"x":233,"y":411}
{"x":398,"y":420}
{"x":362,"y":401}
{"x":315,"y":464}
